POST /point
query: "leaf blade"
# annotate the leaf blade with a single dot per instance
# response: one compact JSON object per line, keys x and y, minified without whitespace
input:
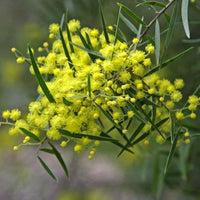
{"x":39,"y":78}
{"x":167,"y":62}
{"x":92,"y":137}
{"x":30,"y":134}
{"x":60,"y":159}
{"x":47,"y":168}
{"x":184,"y":15}
{"x":157,"y":42}
{"x":131,"y":14}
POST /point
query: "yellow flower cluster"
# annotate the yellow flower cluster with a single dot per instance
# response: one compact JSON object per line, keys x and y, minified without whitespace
{"x":88,"y":87}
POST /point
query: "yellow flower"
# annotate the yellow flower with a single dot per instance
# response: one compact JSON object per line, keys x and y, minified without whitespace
{"x":20,"y":60}
{"x":6,"y":114}
{"x":15,"y":114}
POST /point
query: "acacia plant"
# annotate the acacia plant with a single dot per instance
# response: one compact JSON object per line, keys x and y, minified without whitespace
{"x":95,"y":86}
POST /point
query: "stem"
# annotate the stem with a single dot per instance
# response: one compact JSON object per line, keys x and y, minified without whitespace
{"x":156,"y":17}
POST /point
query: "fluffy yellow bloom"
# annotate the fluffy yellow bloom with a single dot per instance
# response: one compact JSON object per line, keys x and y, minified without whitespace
{"x":63,"y":144}
{"x":179,"y":115}
{"x":15,"y":114}
{"x":20,"y":60}
{"x":74,"y":25}
{"x":54,"y":28}
{"x":6,"y":114}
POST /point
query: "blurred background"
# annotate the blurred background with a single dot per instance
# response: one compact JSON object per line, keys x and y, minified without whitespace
{"x":130,"y":177}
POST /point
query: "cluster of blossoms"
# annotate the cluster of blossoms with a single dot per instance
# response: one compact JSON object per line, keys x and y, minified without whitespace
{"x":96,"y":90}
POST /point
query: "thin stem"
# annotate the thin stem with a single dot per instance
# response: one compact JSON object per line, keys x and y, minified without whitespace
{"x":156,"y":17}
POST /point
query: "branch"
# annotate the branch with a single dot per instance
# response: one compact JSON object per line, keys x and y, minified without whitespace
{"x":156,"y":17}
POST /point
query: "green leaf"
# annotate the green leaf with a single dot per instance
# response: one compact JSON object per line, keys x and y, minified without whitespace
{"x":89,"y":41}
{"x":65,"y":49}
{"x":128,"y":24}
{"x":30,"y":134}
{"x":161,"y":122}
{"x":166,"y":63}
{"x":103,"y":22}
{"x":157,"y":42}
{"x":57,"y":154}
{"x":89,"y":86}
{"x":117,"y":143}
{"x":171,"y":127}
{"x":85,"y":44}
{"x":107,"y":115}
{"x":69,"y":38}
{"x":136,"y":132}
{"x":117,"y":27}
{"x":172,"y":151}
{"x":195,"y":135}
{"x":89,"y":51}
{"x":40,"y":79}
{"x":153,"y":3}
{"x":167,"y":17}
{"x":47,"y":168}
{"x":62,"y":21}
{"x":137,"y":114}
{"x":170,"y":31}
{"x":66,"y":102}
{"x":47,"y":150}
{"x":92,"y":137}
{"x":184,"y":15}
{"x":131,"y":14}
{"x":151,"y":40}
{"x":149,"y":120}
{"x":184,"y":153}
{"x":139,"y":139}
{"x":192,"y":41}
{"x":119,"y":37}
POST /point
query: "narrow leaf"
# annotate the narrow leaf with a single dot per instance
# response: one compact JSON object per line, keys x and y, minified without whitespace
{"x":167,"y":17}
{"x":142,"y":137}
{"x":170,"y":31}
{"x":137,"y":114}
{"x":172,"y":151}
{"x":40,"y":79}
{"x":184,"y":15}
{"x":47,"y":150}
{"x":171,"y":127}
{"x":30,"y":134}
{"x":89,"y":41}
{"x":131,"y":14}
{"x":66,"y":102}
{"x":47,"y":168}
{"x":136,"y":132}
{"x":192,"y":41}
{"x":157,"y":42}
{"x":103,"y":22}
{"x":117,"y":143}
{"x":62,"y":21}
{"x":153,"y":3}
{"x":89,"y":86}
{"x":57,"y":154}
{"x":69,"y":38}
{"x":119,"y":37}
{"x":65,"y":49}
{"x":149,"y":120}
{"x":166,"y":63}
{"x":117,"y":27}
{"x":128,"y":24}
{"x":107,"y":115}
{"x":89,"y":51}
{"x":92,"y":137}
